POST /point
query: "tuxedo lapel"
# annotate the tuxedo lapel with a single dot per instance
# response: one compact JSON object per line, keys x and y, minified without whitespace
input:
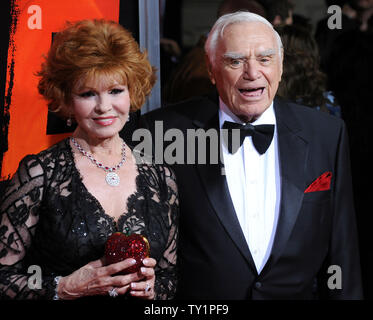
{"x":216,"y":186}
{"x":293,"y":153}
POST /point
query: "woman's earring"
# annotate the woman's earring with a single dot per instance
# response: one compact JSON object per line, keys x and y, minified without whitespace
{"x":128,"y":119}
{"x":69,"y":122}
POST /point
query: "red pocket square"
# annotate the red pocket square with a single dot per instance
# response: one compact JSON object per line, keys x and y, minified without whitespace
{"x":322,"y":183}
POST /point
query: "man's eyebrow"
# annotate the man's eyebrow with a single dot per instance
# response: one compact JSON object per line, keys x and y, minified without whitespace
{"x":236,"y":55}
{"x":233,"y":55}
{"x":266,"y":53}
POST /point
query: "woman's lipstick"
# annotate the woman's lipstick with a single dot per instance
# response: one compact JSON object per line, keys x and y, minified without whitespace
{"x":104,"y":121}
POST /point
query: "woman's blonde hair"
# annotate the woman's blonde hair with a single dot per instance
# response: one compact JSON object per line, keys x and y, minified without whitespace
{"x":86,"y":51}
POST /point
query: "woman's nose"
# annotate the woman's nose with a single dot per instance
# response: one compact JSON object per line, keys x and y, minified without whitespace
{"x":103,"y":104}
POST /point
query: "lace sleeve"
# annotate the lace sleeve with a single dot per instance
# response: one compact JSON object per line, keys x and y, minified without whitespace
{"x":166,"y":275}
{"x":19,"y":207}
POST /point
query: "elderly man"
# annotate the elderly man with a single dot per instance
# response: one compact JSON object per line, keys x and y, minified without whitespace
{"x":273,"y":218}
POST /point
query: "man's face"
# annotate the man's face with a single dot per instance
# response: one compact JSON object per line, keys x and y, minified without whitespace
{"x":247,"y":69}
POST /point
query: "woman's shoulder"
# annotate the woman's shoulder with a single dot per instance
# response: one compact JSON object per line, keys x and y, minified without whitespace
{"x":45,"y":158}
{"x":34,"y":169}
{"x":60,"y":147}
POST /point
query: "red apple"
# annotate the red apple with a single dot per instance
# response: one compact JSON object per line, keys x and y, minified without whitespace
{"x":120,"y":246}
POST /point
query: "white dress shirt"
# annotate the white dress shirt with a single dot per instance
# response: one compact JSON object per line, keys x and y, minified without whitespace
{"x":255,"y":187}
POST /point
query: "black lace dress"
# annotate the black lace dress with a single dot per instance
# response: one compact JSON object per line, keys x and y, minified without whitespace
{"x":50,"y":220}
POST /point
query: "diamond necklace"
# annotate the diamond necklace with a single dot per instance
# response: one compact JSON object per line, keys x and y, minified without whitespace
{"x":112,"y":178}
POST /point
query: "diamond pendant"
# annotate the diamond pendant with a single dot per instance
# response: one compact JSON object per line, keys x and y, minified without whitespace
{"x":112,"y":179}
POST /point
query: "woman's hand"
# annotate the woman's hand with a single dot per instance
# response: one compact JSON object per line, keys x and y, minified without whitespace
{"x":97,"y":279}
{"x":145,"y":288}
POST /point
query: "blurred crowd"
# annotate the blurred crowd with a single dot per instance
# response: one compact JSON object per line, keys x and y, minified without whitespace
{"x":324,"y":68}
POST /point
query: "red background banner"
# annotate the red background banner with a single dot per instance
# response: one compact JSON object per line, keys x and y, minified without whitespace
{"x":30,"y":37}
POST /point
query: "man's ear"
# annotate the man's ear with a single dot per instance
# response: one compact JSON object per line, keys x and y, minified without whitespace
{"x":210,"y":70}
{"x":281,"y":62}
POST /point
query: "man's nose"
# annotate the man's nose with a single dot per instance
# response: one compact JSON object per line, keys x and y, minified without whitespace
{"x":251,"y":70}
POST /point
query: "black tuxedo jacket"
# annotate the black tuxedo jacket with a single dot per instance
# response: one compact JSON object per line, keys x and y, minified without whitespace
{"x":316,"y":231}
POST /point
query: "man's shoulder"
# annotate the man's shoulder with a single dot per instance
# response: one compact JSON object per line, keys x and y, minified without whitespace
{"x":309,"y":117}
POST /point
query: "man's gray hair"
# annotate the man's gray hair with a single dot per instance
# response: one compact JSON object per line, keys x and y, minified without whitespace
{"x":228,"y":19}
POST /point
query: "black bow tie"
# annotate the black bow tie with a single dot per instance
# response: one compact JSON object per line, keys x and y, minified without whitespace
{"x":262,"y":135}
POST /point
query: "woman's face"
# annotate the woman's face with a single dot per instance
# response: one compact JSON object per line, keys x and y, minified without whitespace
{"x":101,"y":108}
